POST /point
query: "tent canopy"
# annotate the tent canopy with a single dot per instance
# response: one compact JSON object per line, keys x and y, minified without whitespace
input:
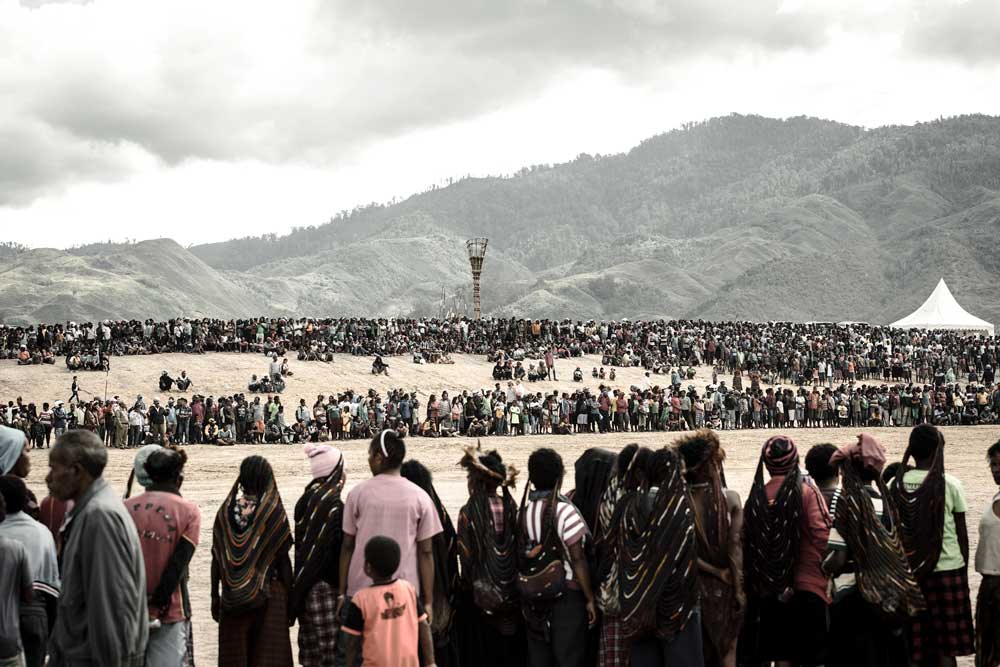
{"x":941,"y":311}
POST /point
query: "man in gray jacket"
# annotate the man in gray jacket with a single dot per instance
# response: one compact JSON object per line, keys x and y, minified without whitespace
{"x":102,"y":617}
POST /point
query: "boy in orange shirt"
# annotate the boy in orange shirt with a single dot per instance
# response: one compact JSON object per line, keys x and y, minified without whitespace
{"x":386,"y":620}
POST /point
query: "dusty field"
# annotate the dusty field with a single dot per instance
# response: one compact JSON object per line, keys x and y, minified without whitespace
{"x":221,"y":374}
{"x":212,"y":471}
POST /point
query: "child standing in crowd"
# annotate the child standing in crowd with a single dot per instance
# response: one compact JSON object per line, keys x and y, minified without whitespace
{"x":387,"y":618}
{"x":389,"y":505}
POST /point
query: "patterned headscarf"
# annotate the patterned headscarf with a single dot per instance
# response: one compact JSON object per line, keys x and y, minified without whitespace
{"x":780,"y":455}
{"x":246,"y":549}
{"x":771,"y":529}
{"x":869,"y":450}
{"x":318,"y":530}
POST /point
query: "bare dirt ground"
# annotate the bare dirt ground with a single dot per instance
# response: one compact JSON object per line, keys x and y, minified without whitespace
{"x":211,"y":471}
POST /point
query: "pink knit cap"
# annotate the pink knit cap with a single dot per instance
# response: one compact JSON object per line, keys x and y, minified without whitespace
{"x":323,"y":459}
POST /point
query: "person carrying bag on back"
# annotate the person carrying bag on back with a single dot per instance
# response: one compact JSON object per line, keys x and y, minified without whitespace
{"x":553,"y":577}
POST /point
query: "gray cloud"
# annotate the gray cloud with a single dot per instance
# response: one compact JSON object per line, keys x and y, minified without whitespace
{"x":37,"y":157}
{"x":359,"y":72}
{"x":967,"y":31}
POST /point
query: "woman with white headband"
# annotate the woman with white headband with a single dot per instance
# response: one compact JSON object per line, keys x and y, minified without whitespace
{"x":391,"y":506}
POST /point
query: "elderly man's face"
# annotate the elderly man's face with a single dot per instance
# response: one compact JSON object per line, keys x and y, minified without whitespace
{"x":64,"y":478}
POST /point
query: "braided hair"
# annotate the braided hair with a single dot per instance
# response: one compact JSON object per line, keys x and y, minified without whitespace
{"x":443,"y":545}
{"x":256,"y":475}
{"x":489,"y":557}
{"x":703,"y":457}
{"x":657,"y":551}
{"x":593,"y":472}
{"x":607,"y":534}
{"x":921,"y":511}
{"x":883,"y":573}
{"x":771,"y":530}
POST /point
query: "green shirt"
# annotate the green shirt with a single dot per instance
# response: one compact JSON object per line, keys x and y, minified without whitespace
{"x":954,"y":503}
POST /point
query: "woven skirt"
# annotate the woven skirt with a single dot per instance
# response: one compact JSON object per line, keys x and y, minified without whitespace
{"x":318,"y":626}
{"x":945,"y":629}
{"x":257,"y":638}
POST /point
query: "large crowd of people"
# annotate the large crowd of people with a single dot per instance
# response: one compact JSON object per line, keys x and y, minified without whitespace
{"x":510,"y":408}
{"x":794,"y":353}
{"x":649,"y":560}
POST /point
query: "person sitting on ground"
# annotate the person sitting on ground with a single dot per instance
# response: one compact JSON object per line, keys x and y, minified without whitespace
{"x":577,"y":375}
{"x":211,"y":432}
{"x":166,"y":382}
{"x":594,"y":374}
{"x":379,"y":367}
{"x":611,"y":375}
{"x":183,"y":382}
{"x":226,"y":437}
{"x":285,"y":371}
{"x":386,"y":620}
{"x":477,"y":428}
{"x":73,"y":362}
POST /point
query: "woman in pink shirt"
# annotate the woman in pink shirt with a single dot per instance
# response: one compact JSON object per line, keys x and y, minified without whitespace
{"x":392,"y":506}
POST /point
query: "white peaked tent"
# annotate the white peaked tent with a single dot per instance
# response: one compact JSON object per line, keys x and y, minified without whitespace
{"x":941,"y":311}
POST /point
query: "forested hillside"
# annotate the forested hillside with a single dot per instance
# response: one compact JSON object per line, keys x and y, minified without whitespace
{"x":734,"y":217}
{"x":740,"y":216}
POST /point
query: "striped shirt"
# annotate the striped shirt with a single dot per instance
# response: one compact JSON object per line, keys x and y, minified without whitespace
{"x":570,"y":526}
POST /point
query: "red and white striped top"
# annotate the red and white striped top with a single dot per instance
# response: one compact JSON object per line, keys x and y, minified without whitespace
{"x":570,"y":526}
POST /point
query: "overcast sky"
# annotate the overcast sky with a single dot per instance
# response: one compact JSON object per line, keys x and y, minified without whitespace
{"x":204,"y":121}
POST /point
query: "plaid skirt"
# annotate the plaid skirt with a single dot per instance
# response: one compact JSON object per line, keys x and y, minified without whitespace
{"x":318,"y":626}
{"x":988,"y":623}
{"x":945,"y":629}
{"x":613,"y":649}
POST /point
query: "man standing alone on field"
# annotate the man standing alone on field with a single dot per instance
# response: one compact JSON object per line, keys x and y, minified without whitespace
{"x":550,"y":364}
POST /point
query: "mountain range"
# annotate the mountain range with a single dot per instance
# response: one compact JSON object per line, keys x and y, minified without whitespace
{"x":738,"y":217}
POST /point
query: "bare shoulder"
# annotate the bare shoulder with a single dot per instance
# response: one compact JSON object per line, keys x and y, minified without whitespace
{"x":733,"y":500}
